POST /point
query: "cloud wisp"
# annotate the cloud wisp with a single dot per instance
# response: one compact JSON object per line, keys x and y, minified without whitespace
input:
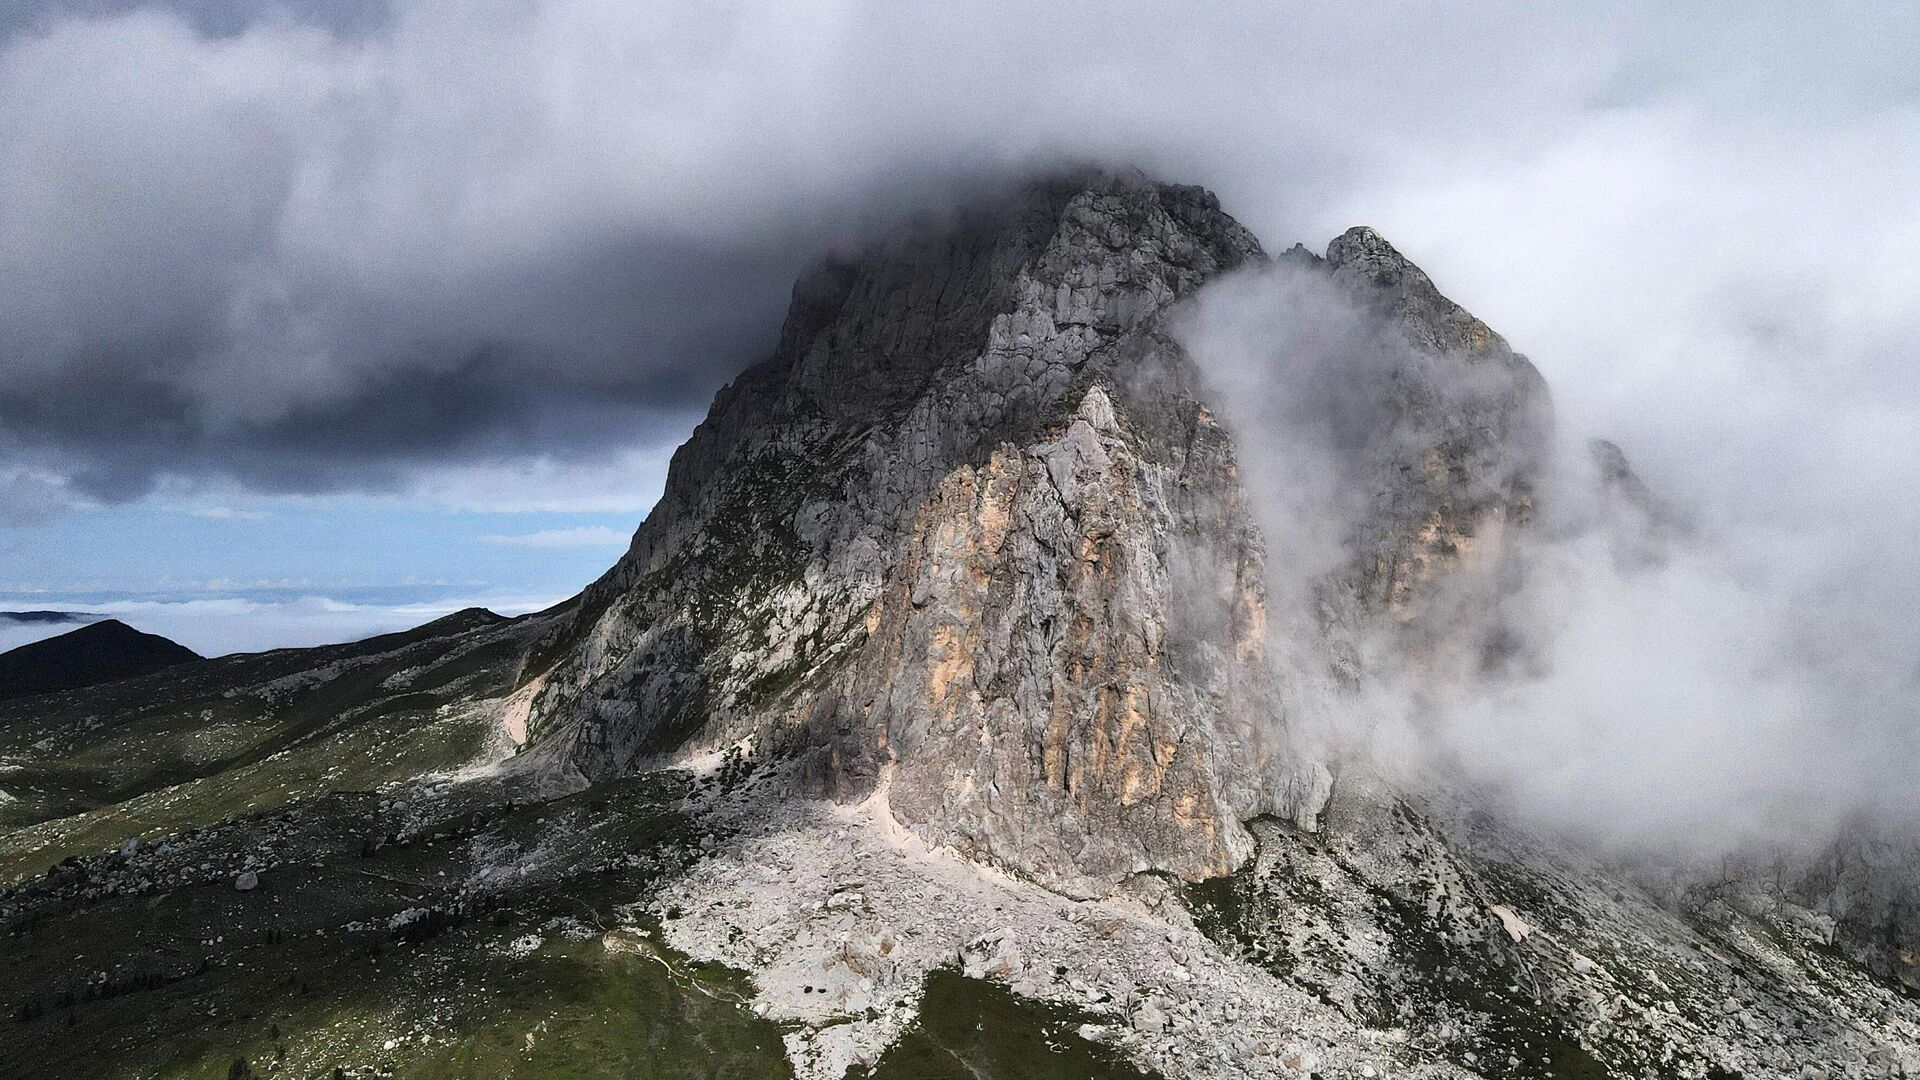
{"x":583,"y":536}
{"x":1651,"y":676}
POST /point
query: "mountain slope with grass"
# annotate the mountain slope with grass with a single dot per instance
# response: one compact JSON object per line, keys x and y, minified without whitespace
{"x":951,"y":715}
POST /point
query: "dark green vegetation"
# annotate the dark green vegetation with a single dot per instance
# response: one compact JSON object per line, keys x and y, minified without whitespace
{"x":425,"y":929}
{"x":1516,"y":1034}
{"x":196,"y":744}
{"x":970,"y":1029}
{"x":96,"y":653}
{"x":447,"y":932}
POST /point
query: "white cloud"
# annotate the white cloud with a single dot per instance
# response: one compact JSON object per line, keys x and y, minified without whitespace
{"x":1757,"y":683}
{"x":618,"y":482}
{"x":17,"y":632}
{"x":584,"y":536}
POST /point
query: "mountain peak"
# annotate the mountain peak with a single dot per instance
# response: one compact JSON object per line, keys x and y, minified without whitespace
{"x":961,"y":326}
{"x":970,"y":538}
{"x":903,"y":550}
{"x":1362,"y":241}
{"x":872,"y":330}
{"x":1405,"y":293}
{"x":98,"y":652}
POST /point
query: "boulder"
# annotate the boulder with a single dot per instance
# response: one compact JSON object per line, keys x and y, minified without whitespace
{"x":993,"y":955}
{"x":1148,"y":1018}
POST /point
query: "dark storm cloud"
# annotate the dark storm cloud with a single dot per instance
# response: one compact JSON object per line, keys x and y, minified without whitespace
{"x":262,"y":252}
{"x":614,"y":346}
{"x":316,"y":246}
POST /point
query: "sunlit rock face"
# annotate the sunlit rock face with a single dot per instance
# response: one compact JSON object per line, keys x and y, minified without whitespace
{"x":967,"y":538}
{"x":971,"y":540}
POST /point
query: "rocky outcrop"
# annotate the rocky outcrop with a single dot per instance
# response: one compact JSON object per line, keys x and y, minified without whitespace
{"x":1640,"y":527}
{"x":968,"y":539}
{"x":972,"y":541}
{"x":1451,"y":469}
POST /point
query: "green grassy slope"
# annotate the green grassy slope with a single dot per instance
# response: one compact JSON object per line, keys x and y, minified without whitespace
{"x":190,"y":747}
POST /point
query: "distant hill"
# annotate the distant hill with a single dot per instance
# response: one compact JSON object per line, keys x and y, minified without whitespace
{"x":96,"y":653}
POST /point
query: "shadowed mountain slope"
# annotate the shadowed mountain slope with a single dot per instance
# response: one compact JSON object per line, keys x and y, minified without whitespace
{"x":96,"y":653}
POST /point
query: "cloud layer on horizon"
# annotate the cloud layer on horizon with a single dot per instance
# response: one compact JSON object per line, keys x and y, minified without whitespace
{"x":258,"y":619}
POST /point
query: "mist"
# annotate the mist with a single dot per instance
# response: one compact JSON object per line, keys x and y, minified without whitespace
{"x":1674,"y":678}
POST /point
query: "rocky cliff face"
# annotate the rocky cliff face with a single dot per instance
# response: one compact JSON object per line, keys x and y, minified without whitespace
{"x":967,"y":539}
{"x":1450,"y":432}
{"x":971,"y":540}
{"x":1468,"y":431}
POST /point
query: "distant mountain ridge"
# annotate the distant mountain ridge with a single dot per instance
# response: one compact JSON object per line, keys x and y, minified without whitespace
{"x":100,"y":652}
{"x":47,"y":616}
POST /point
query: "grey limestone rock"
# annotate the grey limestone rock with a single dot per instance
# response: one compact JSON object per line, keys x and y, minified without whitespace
{"x":1148,"y":1018}
{"x":1470,"y":429}
{"x":972,"y":540}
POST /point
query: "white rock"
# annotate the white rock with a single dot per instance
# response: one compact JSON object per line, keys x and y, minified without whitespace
{"x":1308,"y":791}
{"x":1516,"y":927}
{"x":992,"y":955}
{"x":247,"y":882}
{"x":1097,"y":410}
{"x":1148,"y":1019}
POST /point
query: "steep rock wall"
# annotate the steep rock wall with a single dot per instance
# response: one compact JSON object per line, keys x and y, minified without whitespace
{"x":938,"y":544}
{"x":971,"y":539}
